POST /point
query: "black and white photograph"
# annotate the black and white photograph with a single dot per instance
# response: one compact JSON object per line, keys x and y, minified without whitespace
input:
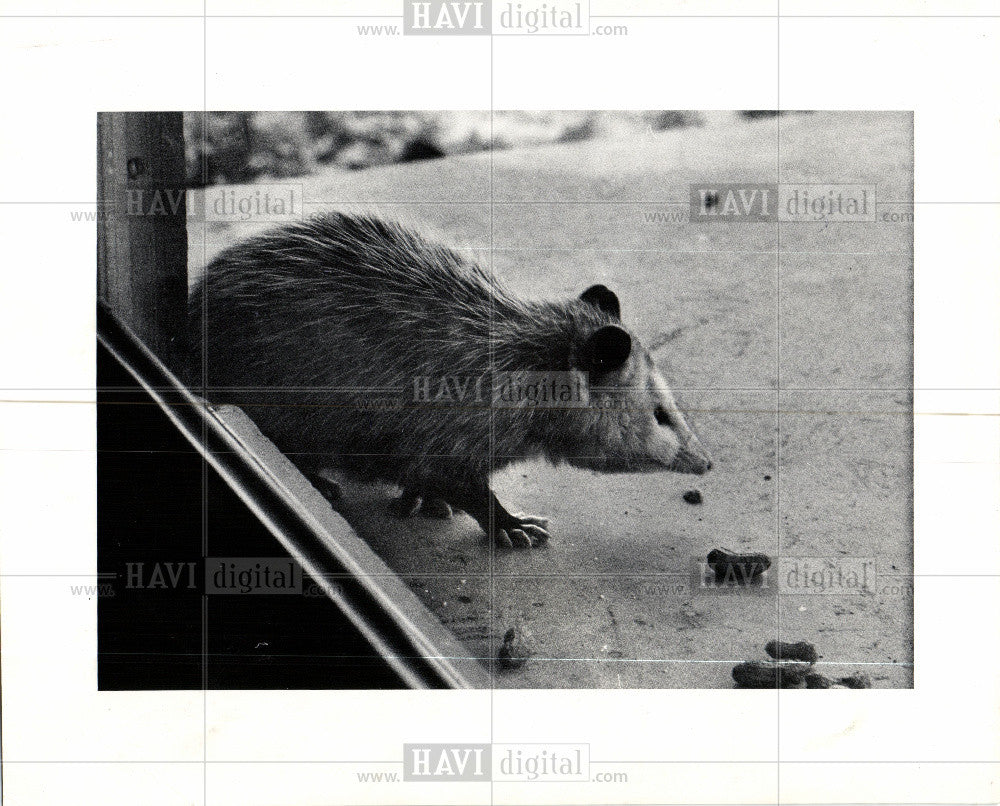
{"x":562,"y":403}
{"x":610,"y":399}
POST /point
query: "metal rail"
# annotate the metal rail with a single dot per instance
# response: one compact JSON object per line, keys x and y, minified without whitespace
{"x":397,"y":625}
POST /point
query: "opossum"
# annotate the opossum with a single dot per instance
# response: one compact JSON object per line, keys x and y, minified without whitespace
{"x":358,"y":343}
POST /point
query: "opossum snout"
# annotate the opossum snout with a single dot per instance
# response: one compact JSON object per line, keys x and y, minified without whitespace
{"x":689,"y":462}
{"x":690,"y":457}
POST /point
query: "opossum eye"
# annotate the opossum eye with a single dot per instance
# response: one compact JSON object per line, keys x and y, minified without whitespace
{"x":607,"y":349}
{"x":604,"y":299}
{"x":663,"y":417}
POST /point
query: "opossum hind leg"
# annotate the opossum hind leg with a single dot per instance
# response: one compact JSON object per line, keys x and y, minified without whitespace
{"x":411,"y":502}
{"x":406,"y":505}
{"x":433,"y":507}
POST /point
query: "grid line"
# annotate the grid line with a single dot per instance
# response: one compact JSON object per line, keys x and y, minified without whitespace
{"x":205,"y":16}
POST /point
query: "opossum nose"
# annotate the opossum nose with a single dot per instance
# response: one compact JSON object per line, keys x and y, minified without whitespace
{"x":698,"y":459}
{"x":688,"y":461}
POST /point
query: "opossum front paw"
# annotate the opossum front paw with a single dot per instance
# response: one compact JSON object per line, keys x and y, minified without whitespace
{"x":524,"y":532}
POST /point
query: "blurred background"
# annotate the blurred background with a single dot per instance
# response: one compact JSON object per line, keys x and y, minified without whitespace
{"x":237,"y":147}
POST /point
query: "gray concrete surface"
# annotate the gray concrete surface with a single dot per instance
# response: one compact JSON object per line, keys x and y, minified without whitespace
{"x":820,"y":468}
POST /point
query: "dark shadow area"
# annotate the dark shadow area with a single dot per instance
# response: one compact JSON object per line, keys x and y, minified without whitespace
{"x":156,"y":627}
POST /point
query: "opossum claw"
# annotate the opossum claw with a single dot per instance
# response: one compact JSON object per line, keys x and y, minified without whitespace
{"x":537,"y":534}
{"x":534,"y":520}
{"x":524,"y":536}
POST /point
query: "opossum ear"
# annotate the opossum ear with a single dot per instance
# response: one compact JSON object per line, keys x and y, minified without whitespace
{"x":603,"y":298}
{"x":607,"y":349}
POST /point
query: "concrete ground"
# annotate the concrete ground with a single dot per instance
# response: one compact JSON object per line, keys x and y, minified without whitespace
{"x":817,"y":473}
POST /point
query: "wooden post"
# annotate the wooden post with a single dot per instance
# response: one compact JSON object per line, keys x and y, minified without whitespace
{"x":142,"y":226}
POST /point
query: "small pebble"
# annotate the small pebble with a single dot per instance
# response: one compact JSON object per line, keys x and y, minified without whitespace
{"x":816,"y":680}
{"x":692,"y":496}
{"x":770,"y":674}
{"x":514,"y":651}
{"x":784,"y":650}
